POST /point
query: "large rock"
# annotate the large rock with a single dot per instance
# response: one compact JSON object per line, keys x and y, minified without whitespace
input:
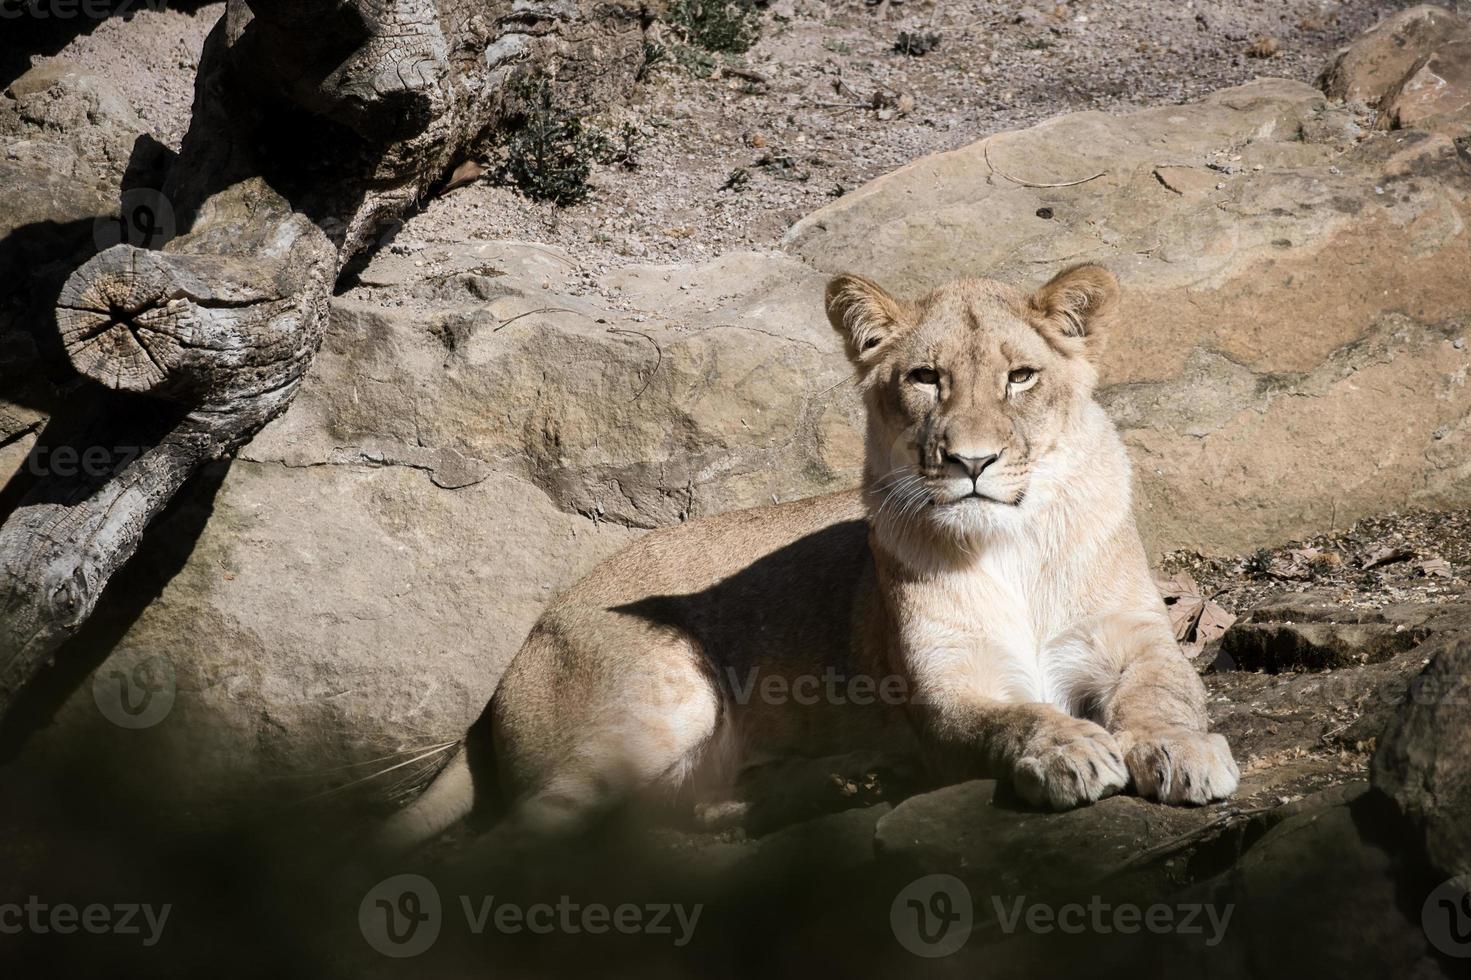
{"x":1328,"y":856}
{"x":999,"y":847}
{"x":1379,"y":60}
{"x":474,"y":435}
{"x":1292,"y":350}
{"x":1436,"y":94}
{"x":1424,"y":759}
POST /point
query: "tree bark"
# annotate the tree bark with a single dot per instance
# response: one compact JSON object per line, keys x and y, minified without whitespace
{"x":317,"y":125}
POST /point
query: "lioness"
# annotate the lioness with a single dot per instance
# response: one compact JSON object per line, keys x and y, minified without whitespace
{"x":987,"y":584}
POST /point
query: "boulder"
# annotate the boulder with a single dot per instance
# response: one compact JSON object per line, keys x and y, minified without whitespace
{"x":1317,"y":856}
{"x":1286,"y":301}
{"x":982,"y":833}
{"x":1327,"y":856}
{"x":1423,"y":763}
{"x":1435,"y":94}
{"x":1378,"y":60}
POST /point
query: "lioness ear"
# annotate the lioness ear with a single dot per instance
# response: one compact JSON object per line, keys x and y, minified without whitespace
{"x":864,"y":315}
{"x":1076,"y":306}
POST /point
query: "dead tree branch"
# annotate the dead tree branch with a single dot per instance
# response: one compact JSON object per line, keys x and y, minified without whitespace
{"x":317,"y":125}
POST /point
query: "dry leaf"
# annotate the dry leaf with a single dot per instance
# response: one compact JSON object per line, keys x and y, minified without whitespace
{"x":1214,"y":621}
{"x":1183,"y":602}
{"x":1195,"y":619}
{"x":1387,"y":556}
{"x":1297,"y":564}
{"x":1437,"y":567}
{"x":467,"y":172}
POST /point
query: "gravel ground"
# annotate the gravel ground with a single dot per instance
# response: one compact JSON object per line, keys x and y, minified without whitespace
{"x":803,"y":127}
{"x":151,"y":56}
{"x":997,"y":66}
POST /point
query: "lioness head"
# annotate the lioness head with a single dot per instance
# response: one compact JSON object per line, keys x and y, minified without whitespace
{"x":972,"y":391}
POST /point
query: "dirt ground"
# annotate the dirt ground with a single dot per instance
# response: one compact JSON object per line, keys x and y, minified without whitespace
{"x":1419,"y":556}
{"x":799,"y":119}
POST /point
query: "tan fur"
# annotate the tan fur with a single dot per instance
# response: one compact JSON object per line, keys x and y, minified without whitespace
{"x":988,"y":573}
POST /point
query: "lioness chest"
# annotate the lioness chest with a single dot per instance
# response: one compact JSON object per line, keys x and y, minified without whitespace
{"x":999,"y":629}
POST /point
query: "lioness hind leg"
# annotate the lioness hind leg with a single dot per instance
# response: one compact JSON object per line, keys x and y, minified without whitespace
{"x":647,"y":736}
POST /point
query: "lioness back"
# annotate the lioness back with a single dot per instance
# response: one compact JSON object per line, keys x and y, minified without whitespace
{"x":695,"y":556}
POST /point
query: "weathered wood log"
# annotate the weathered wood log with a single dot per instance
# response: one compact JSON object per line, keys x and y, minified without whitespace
{"x":196,"y":328}
{"x":317,"y":124}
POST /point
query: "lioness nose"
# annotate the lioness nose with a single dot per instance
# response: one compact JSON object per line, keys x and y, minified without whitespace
{"x":974,"y":465}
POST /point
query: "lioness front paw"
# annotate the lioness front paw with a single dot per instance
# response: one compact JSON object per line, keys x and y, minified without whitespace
{"x":1070,"y":762}
{"x":1180,"y":765}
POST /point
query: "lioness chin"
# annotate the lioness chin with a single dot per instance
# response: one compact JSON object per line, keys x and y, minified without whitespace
{"x":988,"y":573}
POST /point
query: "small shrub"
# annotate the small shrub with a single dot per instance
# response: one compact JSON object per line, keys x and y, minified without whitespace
{"x":737,"y":180}
{"x":550,"y":157}
{"x":727,"y":26}
{"x":655,"y":54}
{"x":917,"y":43}
{"x":697,"y":61}
{"x":1258,"y":564}
{"x":621,"y":148}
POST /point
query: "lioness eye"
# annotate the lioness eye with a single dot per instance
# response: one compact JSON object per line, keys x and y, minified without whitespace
{"x":924,"y":376}
{"x":1021,"y":376}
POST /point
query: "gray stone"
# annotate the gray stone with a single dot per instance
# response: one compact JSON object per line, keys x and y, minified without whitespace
{"x":1423,"y":763}
{"x":1378,"y":60}
{"x":982,"y":833}
{"x":1232,"y":411}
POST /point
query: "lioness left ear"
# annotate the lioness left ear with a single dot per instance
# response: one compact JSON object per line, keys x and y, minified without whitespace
{"x":1076,"y":305}
{"x":865,"y":316}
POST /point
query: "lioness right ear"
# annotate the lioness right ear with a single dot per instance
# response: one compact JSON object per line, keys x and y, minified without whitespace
{"x":865,"y":316}
{"x":1076,"y":307}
